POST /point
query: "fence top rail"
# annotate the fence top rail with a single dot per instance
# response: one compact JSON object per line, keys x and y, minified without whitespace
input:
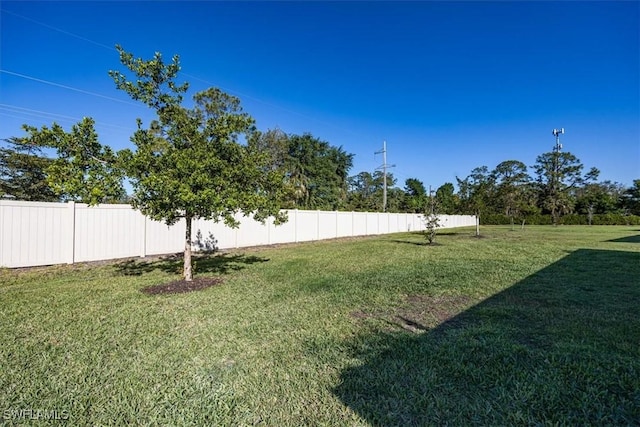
{"x":9,"y":202}
{"x":23,"y":203}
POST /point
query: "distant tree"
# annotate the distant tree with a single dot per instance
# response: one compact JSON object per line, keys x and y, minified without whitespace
{"x":415,"y":195}
{"x":559,"y":175}
{"x":275,"y":144}
{"x":317,"y":172}
{"x":362,"y":188}
{"x":188,"y":163}
{"x":445,"y":195}
{"x":476,"y":192}
{"x":395,"y":199}
{"x":599,"y":198}
{"x":511,"y":180}
{"x":630,"y":200}
{"x":23,"y":172}
{"x":366,"y":192}
{"x":84,"y":169}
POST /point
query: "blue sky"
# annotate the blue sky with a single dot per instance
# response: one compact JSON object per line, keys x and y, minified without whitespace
{"x":449,"y":85}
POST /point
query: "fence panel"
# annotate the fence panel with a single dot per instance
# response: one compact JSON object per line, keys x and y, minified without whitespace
{"x":252,"y":232}
{"x":284,"y":233}
{"x":344,"y":224}
{"x":327,"y":225}
{"x":106,"y":232}
{"x":307,"y":226}
{"x":36,"y":233}
{"x":161,"y":238}
{"x":360,"y":223}
{"x":372,"y":223}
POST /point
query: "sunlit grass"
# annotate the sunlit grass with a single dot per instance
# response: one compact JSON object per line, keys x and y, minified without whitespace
{"x":528,"y":326}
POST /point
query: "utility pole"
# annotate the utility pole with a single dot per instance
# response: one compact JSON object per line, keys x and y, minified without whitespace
{"x":384,"y":167}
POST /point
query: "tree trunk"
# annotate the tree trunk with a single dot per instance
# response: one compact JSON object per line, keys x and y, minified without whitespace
{"x":477,"y":224}
{"x":187,"y":274}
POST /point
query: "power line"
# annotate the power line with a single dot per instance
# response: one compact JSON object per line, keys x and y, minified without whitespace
{"x":48,"y":115}
{"x":58,"y":29}
{"x":86,"y":92}
{"x":185,"y":74}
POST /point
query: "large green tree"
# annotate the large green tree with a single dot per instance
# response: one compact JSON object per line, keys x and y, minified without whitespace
{"x":476,"y":191}
{"x":84,"y":169}
{"x":446,"y":199}
{"x":315,"y":171}
{"x":559,"y":175}
{"x":630,"y":200}
{"x":511,"y":185}
{"x":23,"y":172}
{"x":318,"y":172}
{"x":366,"y":192}
{"x":415,"y":199}
{"x":599,"y":198}
{"x":189,"y":163}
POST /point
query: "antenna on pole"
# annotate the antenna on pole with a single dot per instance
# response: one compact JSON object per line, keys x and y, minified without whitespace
{"x":555,"y":178}
{"x":557,"y":133}
{"x":384,"y":168}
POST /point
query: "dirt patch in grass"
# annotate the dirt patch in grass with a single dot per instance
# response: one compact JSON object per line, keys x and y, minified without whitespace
{"x":420,"y":312}
{"x":182,"y":286}
{"x":439,"y":308}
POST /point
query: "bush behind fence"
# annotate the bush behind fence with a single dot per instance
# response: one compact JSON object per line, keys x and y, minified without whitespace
{"x":572,"y":219}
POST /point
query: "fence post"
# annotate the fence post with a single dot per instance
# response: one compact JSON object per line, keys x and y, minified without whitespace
{"x":236,"y":230}
{"x":268,"y":223}
{"x":353,"y":224}
{"x":71,"y":248}
{"x":143,"y":252}
{"x":317,"y":224}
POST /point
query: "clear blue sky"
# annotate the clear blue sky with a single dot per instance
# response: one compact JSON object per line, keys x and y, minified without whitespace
{"x":449,"y":85}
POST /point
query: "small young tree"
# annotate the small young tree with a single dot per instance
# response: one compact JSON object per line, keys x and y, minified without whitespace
{"x":189,"y":163}
{"x":431,"y":219}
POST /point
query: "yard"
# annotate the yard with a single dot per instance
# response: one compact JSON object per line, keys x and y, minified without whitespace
{"x":534,"y":326}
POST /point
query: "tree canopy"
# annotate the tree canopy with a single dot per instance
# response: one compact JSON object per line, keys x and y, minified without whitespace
{"x":189,"y":163}
{"x":84,"y":170}
{"x":23,"y":172}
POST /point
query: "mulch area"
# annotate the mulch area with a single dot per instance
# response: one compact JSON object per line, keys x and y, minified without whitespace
{"x":182,"y":286}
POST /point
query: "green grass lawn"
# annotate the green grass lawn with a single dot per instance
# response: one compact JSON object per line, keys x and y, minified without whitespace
{"x":540,"y":326}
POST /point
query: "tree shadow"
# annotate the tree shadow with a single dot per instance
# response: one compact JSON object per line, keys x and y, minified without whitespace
{"x":441,"y":235}
{"x":410,"y":242}
{"x":220,"y":263}
{"x":628,"y":239}
{"x":558,"y":347}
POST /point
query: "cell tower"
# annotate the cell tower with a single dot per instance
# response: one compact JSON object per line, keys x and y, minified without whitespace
{"x":557,"y":133}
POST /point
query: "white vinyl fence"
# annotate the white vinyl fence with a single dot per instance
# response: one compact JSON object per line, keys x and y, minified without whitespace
{"x":39,"y":233}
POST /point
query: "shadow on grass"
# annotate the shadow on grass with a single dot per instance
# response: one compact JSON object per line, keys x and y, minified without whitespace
{"x":221,"y":263}
{"x":560,"y":346}
{"x":441,"y":235}
{"x":412,"y":242}
{"x":628,"y":239}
